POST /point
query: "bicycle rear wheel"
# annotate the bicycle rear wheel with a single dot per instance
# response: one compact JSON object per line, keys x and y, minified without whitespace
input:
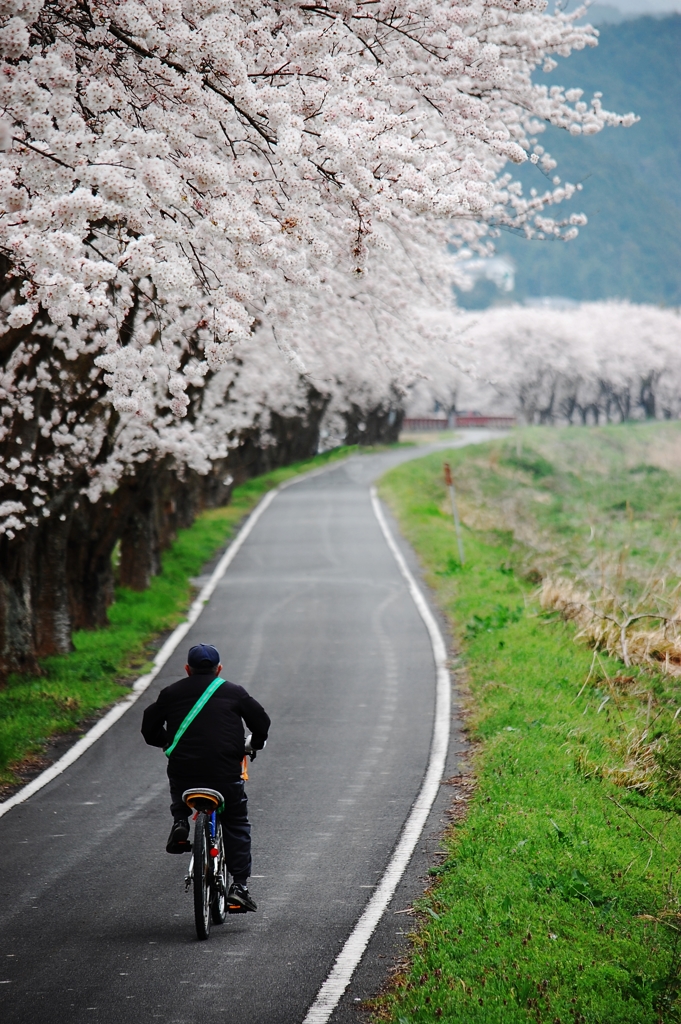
{"x":202,"y":877}
{"x":218,"y":904}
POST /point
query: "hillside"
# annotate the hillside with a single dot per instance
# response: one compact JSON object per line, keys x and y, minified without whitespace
{"x":631,"y":247}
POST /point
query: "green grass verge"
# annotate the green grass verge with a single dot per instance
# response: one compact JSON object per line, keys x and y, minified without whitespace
{"x":558,"y":900}
{"x":581,"y":500}
{"x":77,"y":686}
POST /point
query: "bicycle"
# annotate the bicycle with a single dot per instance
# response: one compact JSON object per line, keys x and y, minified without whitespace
{"x":207,"y":871}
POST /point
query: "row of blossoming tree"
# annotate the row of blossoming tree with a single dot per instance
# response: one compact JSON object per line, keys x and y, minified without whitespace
{"x":220,"y":223}
{"x":600,"y":362}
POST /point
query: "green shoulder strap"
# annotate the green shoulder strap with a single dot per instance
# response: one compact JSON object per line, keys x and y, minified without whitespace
{"x":191,"y":715}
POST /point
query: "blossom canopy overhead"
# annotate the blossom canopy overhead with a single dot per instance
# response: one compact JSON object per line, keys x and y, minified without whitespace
{"x":181,"y":178}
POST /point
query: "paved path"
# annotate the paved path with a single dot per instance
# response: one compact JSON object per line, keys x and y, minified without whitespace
{"x":315,"y":620}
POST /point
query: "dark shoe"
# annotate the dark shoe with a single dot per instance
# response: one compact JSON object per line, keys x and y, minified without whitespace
{"x":178,"y":840}
{"x":239,"y":899}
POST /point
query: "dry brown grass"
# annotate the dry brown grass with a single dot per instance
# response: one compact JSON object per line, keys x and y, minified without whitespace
{"x":605,"y":621}
{"x":645,"y":746}
{"x":638,"y":762}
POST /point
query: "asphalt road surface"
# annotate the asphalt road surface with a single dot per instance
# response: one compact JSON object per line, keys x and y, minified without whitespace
{"x":315,"y":620}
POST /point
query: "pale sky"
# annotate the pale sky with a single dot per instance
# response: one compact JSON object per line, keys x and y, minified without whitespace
{"x":637,"y":6}
{"x":645,"y":6}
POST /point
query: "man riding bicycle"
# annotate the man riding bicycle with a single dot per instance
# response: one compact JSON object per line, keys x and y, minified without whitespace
{"x":209,"y":753}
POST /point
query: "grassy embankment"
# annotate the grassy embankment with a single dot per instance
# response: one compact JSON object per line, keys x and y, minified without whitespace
{"x":77,"y":686}
{"x":558,"y":899}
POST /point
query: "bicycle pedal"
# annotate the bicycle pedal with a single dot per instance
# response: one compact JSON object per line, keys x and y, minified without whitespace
{"x":236,"y":908}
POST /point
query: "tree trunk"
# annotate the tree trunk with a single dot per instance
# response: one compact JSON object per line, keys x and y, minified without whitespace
{"x":647,"y":396}
{"x":381,"y":425}
{"x":49,"y":585}
{"x":17,"y":647}
{"x":140,"y":546}
{"x":95,"y":528}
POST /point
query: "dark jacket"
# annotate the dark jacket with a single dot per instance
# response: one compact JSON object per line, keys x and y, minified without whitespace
{"x":213,"y":745}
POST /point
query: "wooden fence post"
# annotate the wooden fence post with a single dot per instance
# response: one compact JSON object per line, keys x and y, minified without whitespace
{"x":449,"y":481}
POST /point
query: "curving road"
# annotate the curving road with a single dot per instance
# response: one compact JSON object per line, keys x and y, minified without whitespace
{"x":314,"y":618}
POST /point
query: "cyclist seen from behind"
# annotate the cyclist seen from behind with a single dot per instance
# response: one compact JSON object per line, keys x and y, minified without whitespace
{"x":209,"y":753}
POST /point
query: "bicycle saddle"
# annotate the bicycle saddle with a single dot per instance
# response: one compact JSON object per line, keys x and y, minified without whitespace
{"x":206,"y":800}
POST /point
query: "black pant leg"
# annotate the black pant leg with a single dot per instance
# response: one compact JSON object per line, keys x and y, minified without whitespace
{"x":178,"y":807}
{"x":236,"y":830}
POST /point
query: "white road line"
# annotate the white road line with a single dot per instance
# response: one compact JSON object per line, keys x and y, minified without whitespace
{"x":105,"y":723}
{"x":349,"y":957}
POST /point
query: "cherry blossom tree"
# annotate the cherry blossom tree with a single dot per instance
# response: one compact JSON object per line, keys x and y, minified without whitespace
{"x":196,"y":198}
{"x":173,"y":175}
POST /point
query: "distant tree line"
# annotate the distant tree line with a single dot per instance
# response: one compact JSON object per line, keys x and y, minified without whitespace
{"x":601,"y":362}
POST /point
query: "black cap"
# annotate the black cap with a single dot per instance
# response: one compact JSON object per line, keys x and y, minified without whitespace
{"x":203,"y":656}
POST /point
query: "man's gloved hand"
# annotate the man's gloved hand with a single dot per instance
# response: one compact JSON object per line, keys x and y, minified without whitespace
{"x":250,"y":749}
